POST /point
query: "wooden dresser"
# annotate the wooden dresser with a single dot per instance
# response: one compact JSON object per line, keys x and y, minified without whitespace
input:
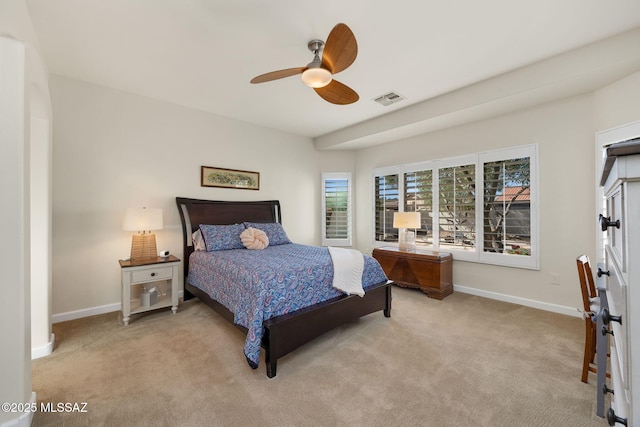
{"x":621,"y":181}
{"x":429,"y":271}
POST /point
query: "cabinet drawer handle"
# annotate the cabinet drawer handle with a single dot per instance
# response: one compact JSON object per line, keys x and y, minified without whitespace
{"x":606,"y":389}
{"x":612,"y":418}
{"x":606,"y":223}
{"x":606,"y":317}
{"x":606,"y":331}
{"x":603,"y":273}
{"x":153,"y":274}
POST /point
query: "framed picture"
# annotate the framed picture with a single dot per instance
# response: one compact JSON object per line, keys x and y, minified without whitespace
{"x":229,"y":178}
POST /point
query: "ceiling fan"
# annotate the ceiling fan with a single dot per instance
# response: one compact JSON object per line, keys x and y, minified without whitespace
{"x":339,"y":52}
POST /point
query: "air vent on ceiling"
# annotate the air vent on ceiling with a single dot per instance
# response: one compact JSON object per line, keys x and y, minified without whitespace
{"x":389,"y":98}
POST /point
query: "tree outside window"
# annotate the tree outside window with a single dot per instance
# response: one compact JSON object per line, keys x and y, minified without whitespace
{"x":507,"y":206}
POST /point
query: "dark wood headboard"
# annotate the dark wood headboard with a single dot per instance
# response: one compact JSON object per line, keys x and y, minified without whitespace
{"x":194,"y":212}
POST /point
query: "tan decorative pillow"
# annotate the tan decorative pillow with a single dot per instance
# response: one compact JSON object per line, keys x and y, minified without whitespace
{"x":252,"y":238}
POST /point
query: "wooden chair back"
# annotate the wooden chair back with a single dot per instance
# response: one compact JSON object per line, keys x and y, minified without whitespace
{"x":587,"y":283}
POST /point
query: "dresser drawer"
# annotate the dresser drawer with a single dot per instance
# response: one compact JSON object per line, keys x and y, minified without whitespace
{"x":616,"y":235}
{"x":620,"y":397}
{"x":150,"y":274}
{"x":617,"y":300}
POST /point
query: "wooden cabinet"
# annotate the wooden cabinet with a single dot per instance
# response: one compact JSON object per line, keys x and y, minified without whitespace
{"x":621,"y":181}
{"x":429,"y":271}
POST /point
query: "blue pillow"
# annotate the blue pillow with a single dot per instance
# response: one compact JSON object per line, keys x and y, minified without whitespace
{"x":222,"y":237}
{"x":274,"y":231}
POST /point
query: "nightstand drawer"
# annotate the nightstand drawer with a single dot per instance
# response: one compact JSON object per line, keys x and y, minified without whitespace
{"x":149,"y":274}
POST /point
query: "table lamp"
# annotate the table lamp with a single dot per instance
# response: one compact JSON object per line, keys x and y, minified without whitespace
{"x":142,"y":220}
{"x":402,"y":221}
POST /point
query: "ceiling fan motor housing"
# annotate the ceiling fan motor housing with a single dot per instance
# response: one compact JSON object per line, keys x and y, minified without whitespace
{"x":315,"y":46}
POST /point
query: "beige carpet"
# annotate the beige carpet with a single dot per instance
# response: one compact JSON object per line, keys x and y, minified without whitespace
{"x":464,"y":361}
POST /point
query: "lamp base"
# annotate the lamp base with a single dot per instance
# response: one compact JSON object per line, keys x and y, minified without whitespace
{"x":407,"y":241}
{"x":143,"y":246}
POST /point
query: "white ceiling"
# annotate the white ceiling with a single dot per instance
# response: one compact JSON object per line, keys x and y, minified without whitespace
{"x":202,"y":53}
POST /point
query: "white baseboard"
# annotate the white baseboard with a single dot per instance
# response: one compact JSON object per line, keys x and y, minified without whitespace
{"x":85,"y":312}
{"x":91,"y":311}
{"x":45,"y":350}
{"x":25,"y":418}
{"x":555,"y":308}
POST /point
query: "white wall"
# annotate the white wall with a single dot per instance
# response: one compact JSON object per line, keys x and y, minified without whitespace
{"x":24,"y":95}
{"x":15,"y":357}
{"x":114,"y":150}
{"x":564,"y":133}
{"x":618,"y":104}
{"x":42,"y":338}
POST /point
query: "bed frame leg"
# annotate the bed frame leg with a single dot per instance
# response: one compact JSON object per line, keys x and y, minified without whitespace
{"x":186,"y":295}
{"x":387,"y":307}
{"x":271,"y":369}
{"x":269,"y":356}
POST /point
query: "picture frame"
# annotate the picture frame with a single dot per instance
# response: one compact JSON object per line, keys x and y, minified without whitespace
{"x":211,"y":176}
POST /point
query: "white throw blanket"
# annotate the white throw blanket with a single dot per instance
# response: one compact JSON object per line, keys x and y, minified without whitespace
{"x":348,"y":265}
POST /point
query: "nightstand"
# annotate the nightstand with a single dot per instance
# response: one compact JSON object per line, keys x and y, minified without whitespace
{"x":138,"y":275}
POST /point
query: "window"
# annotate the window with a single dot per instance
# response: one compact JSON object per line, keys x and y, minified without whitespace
{"x":457,"y":207}
{"x":336,"y":209}
{"x":386,"y":203}
{"x":418,"y":197}
{"x":481,"y":207}
{"x":507,"y":206}
{"x":509,"y":234}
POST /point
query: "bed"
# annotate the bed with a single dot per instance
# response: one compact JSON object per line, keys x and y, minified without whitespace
{"x":278,"y":331}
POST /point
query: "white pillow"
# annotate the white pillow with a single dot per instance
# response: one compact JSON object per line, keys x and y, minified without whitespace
{"x":198,"y":241}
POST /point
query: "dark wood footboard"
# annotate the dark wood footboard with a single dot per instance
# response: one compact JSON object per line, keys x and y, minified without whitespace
{"x":287,"y":332}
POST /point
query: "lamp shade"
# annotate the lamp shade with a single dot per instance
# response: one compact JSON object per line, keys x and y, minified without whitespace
{"x":406,"y":220}
{"x":142,"y":219}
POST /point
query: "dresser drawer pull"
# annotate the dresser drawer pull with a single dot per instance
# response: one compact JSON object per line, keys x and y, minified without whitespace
{"x":603,"y":273}
{"x":606,"y":317}
{"x":605,"y":222}
{"x":612,"y":418}
{"x":606,"y":331}
{"x":606,"y":389}
{"x":153,"y":274}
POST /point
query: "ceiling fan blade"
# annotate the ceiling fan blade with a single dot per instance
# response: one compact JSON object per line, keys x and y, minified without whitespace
{"x":275,"y":75}
{"x":340,"y":50}
{"x":337,"y":93}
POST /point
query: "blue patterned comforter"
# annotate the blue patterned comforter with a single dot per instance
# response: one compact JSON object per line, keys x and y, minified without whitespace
{"x":257,"y":285}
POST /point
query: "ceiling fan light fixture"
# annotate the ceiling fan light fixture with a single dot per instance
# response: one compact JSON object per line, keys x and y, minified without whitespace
{"x":316,"y":77}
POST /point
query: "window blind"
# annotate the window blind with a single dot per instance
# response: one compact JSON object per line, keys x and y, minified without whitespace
{"x":386,"y":203}
{"x":456,"y":218}
{"x":507,"y":206}
{"x":336,"y":230}
{"x":418,"y":197}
